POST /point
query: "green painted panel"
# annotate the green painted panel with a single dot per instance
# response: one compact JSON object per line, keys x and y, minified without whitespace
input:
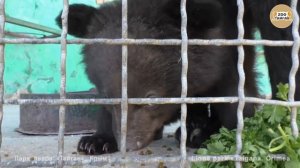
{"x":37,"y":67}
{"x":261,"y":68}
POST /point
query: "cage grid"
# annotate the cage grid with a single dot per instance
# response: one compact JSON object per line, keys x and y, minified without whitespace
{"x":124,"y":100}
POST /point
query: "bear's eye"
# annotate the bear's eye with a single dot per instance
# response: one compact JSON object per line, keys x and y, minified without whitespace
{"x":151,"y":94}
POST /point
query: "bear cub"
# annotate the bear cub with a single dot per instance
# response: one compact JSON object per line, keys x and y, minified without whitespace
{"x":154,"y":71}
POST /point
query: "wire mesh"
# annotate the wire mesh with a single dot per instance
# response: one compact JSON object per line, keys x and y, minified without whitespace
{"x":183,"y":100}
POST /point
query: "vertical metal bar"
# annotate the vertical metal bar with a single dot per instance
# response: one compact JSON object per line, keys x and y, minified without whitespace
{"x":62,"y":108}
{"x":241,"y":90}
{"x":184,"y":83}
{"x":124,"y":103}
{"x":2,"y":25}
{"x":295,"y":66}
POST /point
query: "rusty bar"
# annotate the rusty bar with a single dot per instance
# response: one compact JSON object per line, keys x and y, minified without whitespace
{"x":124,"y":102}
{"x":184,"y":82}
{"x":62,"y":108}
{"x":241,"y":86}
{"x":295,"y":66}
{"x":2,"y":25}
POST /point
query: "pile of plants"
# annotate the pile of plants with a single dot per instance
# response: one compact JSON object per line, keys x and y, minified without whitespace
{"x":265,"y":135}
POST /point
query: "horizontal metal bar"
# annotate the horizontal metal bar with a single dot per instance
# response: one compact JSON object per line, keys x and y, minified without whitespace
{"x":139,"y":101}
{"x":216,"y":42}
{"x":62,"y":101}
{"x":31,"y":25}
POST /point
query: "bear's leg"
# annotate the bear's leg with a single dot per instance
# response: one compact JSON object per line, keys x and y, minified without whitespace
{"x":227,"y":113}
{"x":159,"y":134}
{"x":103,"y":140}
{"x":201,"y":123}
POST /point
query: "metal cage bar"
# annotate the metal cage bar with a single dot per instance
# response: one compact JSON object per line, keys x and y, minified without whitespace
{"x":128,"y":41}
{"x":242,"y":78}
{"x":295,"y":67}
{"x":2,"y":24}
{"x":184,"y":82}
{"x":124,"y":101}
{"x":141,"y":101}
{"x":62,"y":108}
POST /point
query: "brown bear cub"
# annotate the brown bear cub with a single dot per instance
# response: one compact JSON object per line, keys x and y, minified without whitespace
{"x":155,"y":70}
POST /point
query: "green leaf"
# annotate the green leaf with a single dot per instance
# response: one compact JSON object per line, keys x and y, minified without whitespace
{"x":216,"y":147}
{"x":292,"y":164}
{"x":283,"y":90}
{"x":275,"y":114}
{"x":202,"y":151}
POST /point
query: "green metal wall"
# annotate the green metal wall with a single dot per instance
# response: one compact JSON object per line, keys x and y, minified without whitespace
{"x":36,"y":67}
{"x":263,"y":79}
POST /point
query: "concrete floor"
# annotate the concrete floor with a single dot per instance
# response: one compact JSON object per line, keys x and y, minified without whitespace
{"x":19,"y":147}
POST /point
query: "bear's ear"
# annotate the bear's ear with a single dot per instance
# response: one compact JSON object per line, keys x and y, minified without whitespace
{"x":78,"y":19}
{"x":202,"y":14}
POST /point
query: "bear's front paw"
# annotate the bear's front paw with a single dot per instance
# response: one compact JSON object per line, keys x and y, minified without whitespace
{"x":194,"y":135}
{"x":96,"y":145}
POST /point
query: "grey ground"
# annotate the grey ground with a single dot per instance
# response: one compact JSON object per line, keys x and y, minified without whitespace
{"x":16,"y":146}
